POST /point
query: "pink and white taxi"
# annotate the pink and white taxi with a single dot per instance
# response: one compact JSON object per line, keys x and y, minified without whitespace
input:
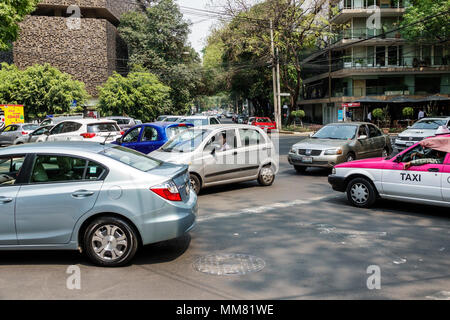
{"x":420,"y":174}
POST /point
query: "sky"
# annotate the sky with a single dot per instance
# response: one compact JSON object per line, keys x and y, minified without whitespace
{"x":200,"y":28}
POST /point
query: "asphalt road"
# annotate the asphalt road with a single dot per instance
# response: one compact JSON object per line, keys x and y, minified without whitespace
{"x":306,"y":239}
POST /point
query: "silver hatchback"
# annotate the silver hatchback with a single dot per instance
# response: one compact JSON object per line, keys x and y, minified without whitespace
{"x":223,"y":154}
{"x":104,"y":200}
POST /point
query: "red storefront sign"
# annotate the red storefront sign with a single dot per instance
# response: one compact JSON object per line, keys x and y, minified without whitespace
{"x":351,"y":105}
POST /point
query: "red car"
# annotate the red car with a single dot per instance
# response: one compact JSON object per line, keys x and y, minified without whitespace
{"x":264,"y":123}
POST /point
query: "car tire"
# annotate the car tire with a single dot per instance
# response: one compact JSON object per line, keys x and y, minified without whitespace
{"x":350,"y":157}
{"x":266,"y":176}
{"x":196,"y":184}
{"x":361,"y":193}
{"x":300,"y":169}
{"x":116,"y":235}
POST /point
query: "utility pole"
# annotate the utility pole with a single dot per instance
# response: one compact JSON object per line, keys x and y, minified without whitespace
{"x":274,"y":76}
{"x":278,"y":113}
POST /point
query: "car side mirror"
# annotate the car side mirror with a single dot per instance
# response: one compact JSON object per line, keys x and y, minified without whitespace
{"x":363,"y":137}
{"x":119,"y":140}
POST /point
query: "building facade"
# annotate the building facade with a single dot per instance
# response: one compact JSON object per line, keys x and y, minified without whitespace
{"x":368,"y":64}
{"x":88,"y":48}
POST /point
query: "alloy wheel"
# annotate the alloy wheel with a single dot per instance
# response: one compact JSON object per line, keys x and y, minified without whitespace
{"x":109,"y":242}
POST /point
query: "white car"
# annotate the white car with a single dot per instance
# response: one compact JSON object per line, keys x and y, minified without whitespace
{"x":426,"y":182}
{"x":420,"y":130}
{"x":199,"y":121}
{"x":92,"y":130}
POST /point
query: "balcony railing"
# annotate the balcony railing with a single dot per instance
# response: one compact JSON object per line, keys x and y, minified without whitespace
{"x":390,"y":62}
{"x":369,"y":4}
{"x":366,"y":33}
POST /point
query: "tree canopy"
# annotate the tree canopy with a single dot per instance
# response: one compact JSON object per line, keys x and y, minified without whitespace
{"x":436,"y":28}
{"x":139,"y":95}
{"x":158,"y":41}
{"x":245,"y":44}
{"x":42,"y":89}
{"x":11,"y":13}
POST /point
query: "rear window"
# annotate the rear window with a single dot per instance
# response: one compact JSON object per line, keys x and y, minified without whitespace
{"x":196,"y":122}
{"x":102,"y":127}
{"x":30,"y":127}
{"x":132,"y":158}
{"x":122,"y":121}
{"x":263,"y":120}
{"x":173,"y":131}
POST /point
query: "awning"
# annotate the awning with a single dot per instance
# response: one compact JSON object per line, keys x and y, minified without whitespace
{"x":369,"y":100}
{"x":434,"y":98}
{"x":402,"y":99}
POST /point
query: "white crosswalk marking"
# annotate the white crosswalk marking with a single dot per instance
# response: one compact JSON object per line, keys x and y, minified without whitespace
{"x":263,"y":209}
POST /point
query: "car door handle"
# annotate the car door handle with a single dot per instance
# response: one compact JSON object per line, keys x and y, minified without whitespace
{"x":4,"y":200}
{"x":82,"y":194}
{"x":433,"y":170}
{"x":235,"y":153}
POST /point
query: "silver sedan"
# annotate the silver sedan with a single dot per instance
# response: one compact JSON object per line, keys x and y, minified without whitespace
{"x":337,"y":143}
{"x":101,"y":199}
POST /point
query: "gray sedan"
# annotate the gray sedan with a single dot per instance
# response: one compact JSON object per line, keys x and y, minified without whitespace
{"x":103,"y":200}
{"x":337,"y":143}
{"x":33,"y":136}
{"x":223,"y":154}
{"x":10,"y":134}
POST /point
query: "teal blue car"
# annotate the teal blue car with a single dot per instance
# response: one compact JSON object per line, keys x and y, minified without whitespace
{"x":101,"y":199}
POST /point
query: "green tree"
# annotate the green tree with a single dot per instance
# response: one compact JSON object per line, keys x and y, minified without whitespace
{"x":42,"y":89}
{"x":297,"y":26}
{"x":11,"y":13}
{"x":158,"y":41}
{"x":139,"y":95}
{"x":299,"y":114}
{"x":437,"y":28}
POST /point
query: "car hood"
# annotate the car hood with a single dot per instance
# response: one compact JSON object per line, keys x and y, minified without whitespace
{"x":423,"y":133}
{"x":372,"y":163}
{"x":172,"y":157}
{"x":320,"y":144}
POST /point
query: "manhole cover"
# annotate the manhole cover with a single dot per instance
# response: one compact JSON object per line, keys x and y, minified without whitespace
{"x":228,"y":264}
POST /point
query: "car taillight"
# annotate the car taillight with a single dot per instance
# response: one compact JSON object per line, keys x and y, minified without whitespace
{"x":122,"y":132}
{"x":24,"y":133}
{"x":88,"y":135}
{"x":168,"y":191}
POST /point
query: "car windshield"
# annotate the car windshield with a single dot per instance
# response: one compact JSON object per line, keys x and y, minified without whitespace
{"x":336,"y":132}
{"x":196,"y":122}
{"x":132,"y":158}
{"x":30,"y":127}
{"x":173,"y":131}
{"x":187,"y":141}
{"x":161,"y":118}
{"x":429,"y":124}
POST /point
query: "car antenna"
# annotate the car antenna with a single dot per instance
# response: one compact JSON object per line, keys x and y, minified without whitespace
{"x":104,"y":142}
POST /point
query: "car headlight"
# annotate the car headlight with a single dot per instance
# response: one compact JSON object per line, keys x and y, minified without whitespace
{"x":293,"y":151}
{"x":333,"y":152}
{"x":333,"y":171}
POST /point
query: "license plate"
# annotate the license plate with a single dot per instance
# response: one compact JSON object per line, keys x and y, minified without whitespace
{"x":307,"y":159}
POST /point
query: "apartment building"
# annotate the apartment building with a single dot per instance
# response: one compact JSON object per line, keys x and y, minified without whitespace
{"x":368,"y":64}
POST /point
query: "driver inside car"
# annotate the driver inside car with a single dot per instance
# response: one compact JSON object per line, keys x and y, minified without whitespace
{"x":429,"y":156}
